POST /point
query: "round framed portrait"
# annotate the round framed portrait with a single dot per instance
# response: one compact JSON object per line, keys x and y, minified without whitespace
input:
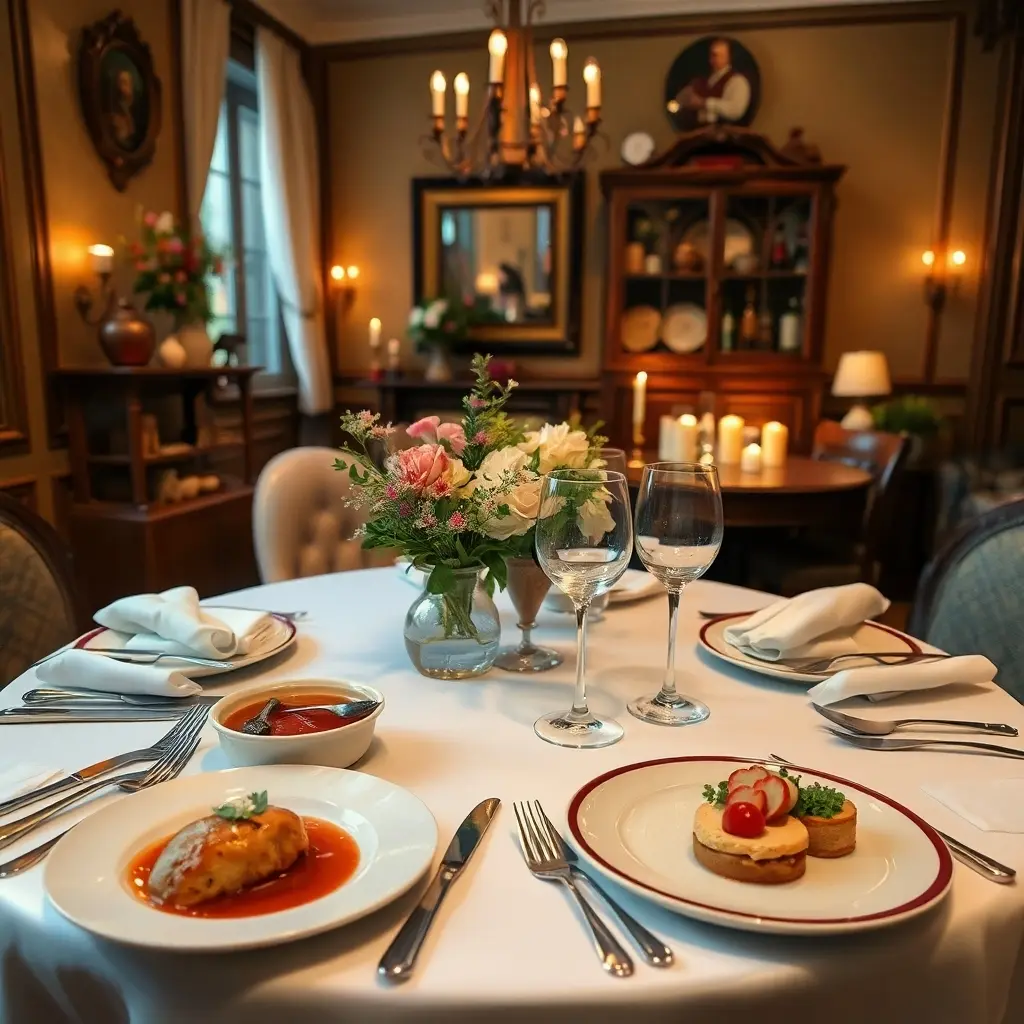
{"x":713,"y":81}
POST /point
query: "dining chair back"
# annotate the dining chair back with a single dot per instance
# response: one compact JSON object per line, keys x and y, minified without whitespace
{"x":302,"y":525}
{"x":40,"y":608}
{"x":969,"y":598}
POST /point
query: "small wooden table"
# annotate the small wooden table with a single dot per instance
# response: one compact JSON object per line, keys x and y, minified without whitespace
{"x":804,"y":492}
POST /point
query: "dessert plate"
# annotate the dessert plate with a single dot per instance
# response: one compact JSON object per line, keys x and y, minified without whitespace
{"x":85,"y":873}
{"x":869,"y":636}
{"x":684,"y":327}
{"x":639,"y":328}
{"x":276,"y":637}
{"x":634,"y":824}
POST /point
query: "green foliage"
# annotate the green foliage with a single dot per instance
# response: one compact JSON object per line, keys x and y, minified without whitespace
{"x":440,"y":321}
{"x":717,"y":794}
{"x":246,"y":807}
{"x":911,"y":414}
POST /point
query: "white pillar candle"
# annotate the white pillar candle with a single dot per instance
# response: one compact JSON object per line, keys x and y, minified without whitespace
{"x":774,"y":442}
{"x":559,"y":52}
{"x":730,"y":440}
{"x":668,"y":439}
{"x":639,"y":399}
{"x":687,"y":437}
{"x":374,"y":332}
{"x":437,"y":88}
{"x":750,"y":461}
{"x":592,"y":76}
{"x":462,"y":94}
{"x":497,"y":44}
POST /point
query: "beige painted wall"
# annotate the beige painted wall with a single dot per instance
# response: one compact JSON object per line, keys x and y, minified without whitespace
{"x":82,"y":205}
{"x":871,"y":97}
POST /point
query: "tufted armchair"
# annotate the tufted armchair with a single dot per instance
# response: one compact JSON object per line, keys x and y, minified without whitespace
{"x":301,"y":525}
{"x":39,"y":605}
{"x":969,"y":598}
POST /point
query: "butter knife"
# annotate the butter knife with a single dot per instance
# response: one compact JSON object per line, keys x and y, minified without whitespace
{"x":400,"y":957}
{"x":123,"y":713}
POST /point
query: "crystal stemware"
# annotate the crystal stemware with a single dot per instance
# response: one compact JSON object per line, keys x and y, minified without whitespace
{"x":679,"y":525}
{"x":584,"y":539}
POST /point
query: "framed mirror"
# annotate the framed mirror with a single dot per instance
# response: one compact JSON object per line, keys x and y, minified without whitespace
{"x":510,"y":252}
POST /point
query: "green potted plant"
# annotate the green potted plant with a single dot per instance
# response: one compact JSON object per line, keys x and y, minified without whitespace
{"x":914,"y":415}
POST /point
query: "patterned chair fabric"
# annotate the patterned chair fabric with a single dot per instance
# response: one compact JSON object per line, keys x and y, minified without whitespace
{"x":970,"y":600}
{"x":37,"y":606}
{"x":301,"y":524}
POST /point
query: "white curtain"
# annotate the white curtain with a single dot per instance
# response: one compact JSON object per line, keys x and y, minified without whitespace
{"x":205,"y":38}
{"x":291,"y":212}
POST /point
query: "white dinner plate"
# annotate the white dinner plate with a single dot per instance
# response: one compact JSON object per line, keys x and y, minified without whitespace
{"x":279,"y":635}
{"x":639,"y":330}
{"x":684,"y":327}
{"x":869,"y":636}
{"x":635,"y":825}
{"x":85,"y":873}
{"x":738,"y":241}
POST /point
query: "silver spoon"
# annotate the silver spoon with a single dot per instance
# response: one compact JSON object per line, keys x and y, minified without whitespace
{"x":258,"y":725}
{"x":348,"y":710}
{"x":875,"y":727}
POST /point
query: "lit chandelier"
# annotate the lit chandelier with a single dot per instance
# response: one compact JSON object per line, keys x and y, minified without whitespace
{"x":515,"y":129}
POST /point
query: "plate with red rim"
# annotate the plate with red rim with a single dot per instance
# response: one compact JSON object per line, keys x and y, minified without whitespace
{"x":869,"y":636}
{"x":634,"y":824}
{"x":278,"y":636}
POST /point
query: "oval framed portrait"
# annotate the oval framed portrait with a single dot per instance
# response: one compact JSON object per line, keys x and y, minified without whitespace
{"x":714,"y":80}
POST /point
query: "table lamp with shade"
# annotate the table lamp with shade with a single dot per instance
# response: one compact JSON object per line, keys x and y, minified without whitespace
{"x":861,"y":375}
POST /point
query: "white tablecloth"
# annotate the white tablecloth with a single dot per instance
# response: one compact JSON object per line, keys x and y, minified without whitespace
{"x":507,"y":947}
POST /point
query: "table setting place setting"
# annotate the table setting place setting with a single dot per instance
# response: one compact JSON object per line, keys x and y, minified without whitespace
{"x":261,"y":812}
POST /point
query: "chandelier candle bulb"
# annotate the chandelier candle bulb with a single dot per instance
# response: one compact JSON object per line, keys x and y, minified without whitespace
{"x":640,"y":399}
{"x":497,"y":45}
{"x":592,"y":77}
{"x":730,"y":440}
{"x":462,"y":95}
{"x":559,"y":55}
{"x":774,"y":444}
{"x":437,"y":88}
{"x":686,"y":432}
{"x":750,"y":460}
{"x":579,"y":133}
{"x":535,"y":104}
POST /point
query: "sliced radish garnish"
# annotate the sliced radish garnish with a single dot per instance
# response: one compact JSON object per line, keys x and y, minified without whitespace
{"x":748,"y":795}
{"x":776,"y":793}
{"x":747,"y":776}
{"x":794,"y":795}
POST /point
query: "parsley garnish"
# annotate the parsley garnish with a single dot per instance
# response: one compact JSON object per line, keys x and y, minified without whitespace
{"x":239,"y":808}
{"x":819,"y":801}
{"x":719,"y":795}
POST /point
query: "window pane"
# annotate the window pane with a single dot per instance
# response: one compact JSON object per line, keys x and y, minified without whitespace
{"x":252,"y":217}
{"x":220,"y":147}
{"x":215,"y":215}
{"x":248,"y":144}
{"x":256,"y":280}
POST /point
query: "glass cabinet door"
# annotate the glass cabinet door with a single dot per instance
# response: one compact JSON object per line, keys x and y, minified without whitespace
{"x":764,"y":262}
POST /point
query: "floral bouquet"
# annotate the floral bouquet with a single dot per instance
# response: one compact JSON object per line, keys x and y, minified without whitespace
{"x":173,"y":267}
{"x":468,"y":494}
{"x":437,"y":322}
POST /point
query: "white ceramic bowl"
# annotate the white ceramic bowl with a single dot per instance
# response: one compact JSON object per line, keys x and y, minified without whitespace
{"x":335,"y":748}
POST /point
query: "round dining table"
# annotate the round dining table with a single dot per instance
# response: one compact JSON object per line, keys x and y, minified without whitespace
{"x":802,"y":492}
{"x":507,"y":947}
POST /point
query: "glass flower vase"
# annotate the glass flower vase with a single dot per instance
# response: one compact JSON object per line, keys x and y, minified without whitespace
{"x":453,"y":635}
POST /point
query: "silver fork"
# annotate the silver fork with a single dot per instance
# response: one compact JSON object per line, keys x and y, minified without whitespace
{"x":654,"y":951}
{"x":169,"y":767}
{"x":899,"y":743}
{"x":812,"y":665}
{"x":544,"y":861}
{"x":191,"y":725}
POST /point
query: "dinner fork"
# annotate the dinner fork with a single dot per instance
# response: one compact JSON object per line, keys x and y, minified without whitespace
{"x":168,"y":767}
{"x":880,"y":727}
{"x":544,"y":861}
{"x":192,"y":723}
{"x":141,"y":657}
{"x":982,"y":863}
{"x":899,"y":743}
{"x":813,"y":665}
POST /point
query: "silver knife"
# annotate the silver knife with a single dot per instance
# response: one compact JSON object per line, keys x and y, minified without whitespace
{"x":63,"y":696}
{"x":124,"y":713}
{"x":398,"y":960}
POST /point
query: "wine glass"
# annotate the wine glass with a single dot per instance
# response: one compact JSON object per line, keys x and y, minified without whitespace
{"x":679,"y":527}
{"x":584,"y":539}
{"x":614,"y":459}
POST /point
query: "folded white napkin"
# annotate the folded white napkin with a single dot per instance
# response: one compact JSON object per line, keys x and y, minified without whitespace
{"x":634,"y":585}
{"x":77,"y":668}
{"x":876,"y":682}
{"x":174,"y":622}
{"x":815,"y":624}
{"x":20,"y":778}
{"x":993,"y":805}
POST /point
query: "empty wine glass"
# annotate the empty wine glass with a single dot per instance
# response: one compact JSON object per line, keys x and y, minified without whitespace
{"x":679,"y":527}
{"x":584,"y":539}
{"x":614,"y":459}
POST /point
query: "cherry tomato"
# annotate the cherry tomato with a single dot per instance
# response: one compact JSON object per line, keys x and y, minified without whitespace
{"x":743,"y":819}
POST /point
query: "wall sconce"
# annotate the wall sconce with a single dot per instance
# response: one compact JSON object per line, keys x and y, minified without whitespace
{"x":942,"y":277}
{"x":101,"y":259}
{"x":343,"y":281}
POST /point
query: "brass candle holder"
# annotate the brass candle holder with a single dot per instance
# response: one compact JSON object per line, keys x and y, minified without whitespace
{"x":636,"y":459}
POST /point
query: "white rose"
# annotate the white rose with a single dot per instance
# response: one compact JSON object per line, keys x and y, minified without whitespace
{"x":164,"y":223}
{"x":523,"y":500}
{"x":560,"y":447}
{"x":440,"y":307}
{"x":415,"y":316}
{"x":595,"y":519}
{"x":431,"y":319}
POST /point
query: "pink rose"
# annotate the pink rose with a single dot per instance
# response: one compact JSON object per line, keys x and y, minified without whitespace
{"x":425,"y":429}
{"x":181,"y":298}
{"x":150,"y":219}
{"x":175,"y":245}
{"x":419,"y":467}
{"x":453,"y":435}
{"x":181,"y":277}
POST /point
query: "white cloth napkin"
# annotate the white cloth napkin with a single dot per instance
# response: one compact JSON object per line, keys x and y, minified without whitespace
{"x":634,"y":585}
{"x":174,"y":622}
{"x":876,"y":682}
{"x":993,"y":805}
{"x":77,"y":668}
{"x":20,"y":778}
{"x":816,"y":624}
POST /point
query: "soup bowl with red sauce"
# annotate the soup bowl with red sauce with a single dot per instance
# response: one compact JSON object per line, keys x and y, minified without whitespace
{"x":311,"y":737}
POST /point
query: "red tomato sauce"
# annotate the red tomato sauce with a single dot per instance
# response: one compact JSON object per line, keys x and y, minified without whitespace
{"x":331,"y":861}
{"x":295,"y":724}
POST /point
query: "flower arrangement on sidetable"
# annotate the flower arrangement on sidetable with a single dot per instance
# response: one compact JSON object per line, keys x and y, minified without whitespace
{"x":434,"y":326}
{"x":461,"y":507}
{"x":173,"y":268}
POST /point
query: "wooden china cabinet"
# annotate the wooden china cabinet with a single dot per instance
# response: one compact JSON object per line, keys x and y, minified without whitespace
{"x":717,"y":280}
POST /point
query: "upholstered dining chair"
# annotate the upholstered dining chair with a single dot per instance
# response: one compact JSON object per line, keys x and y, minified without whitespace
{"x":301,"y":524}
{"x":40,"y":609}
{"x":970,"y":599}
